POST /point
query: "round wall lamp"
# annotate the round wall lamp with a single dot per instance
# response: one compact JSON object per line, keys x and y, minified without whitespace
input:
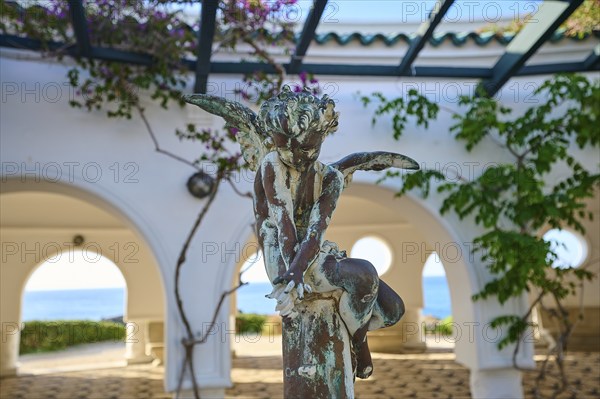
{"x":78,"y":240}
{"x":200,"y":185}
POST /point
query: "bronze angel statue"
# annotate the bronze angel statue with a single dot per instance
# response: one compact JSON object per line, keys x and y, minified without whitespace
{"x":295,"y":196}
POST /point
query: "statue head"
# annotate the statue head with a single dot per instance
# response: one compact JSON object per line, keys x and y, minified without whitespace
{"x":293,"y":114}
{"x":298,"y":123}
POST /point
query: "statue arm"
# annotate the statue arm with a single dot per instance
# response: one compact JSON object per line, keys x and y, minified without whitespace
{"x":261,"y":209}
{"x":280,"y":206}
{"x":266,"y":231}
{"x":320,"y":216}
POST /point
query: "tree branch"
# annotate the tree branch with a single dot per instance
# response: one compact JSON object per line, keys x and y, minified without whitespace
{"x":238,"y":192}
{"x":224,"y":295}
{"x":263,"y":54}
{"x":525,"y":318}
{"x":189,"y":359}
{"x":155,"y":141}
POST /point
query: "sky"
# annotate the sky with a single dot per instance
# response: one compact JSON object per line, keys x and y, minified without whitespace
{"x":255,"y":270}
{"x":75,"y":270}
{"x":570,"y":248}
{"x":433,"y":266}
{"x":401,"y":11}
{"x":347,"y":11}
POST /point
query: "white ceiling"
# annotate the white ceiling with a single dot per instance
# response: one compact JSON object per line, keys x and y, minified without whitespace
{"x":34,"y":209}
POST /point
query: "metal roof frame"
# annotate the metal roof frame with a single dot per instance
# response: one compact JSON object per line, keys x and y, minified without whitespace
{"x":80,"y":28}
{"x":205,"y":40}
{"x":510,"y":64}
{"x":527,"y":42}
{"x":435,"y":17}
{"x":593,"y":60}
{"x":307,"y":35}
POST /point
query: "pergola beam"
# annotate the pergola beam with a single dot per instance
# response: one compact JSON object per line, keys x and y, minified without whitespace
{"x":355,"y":70}
{"x":424,"y":33}
{"x":80,"y":27}
{"x":110,"y":54}
{"x":307,"y":35}
{"x":205,"y":41}
{"x":593,"y":60}
{"x":550,"y":69}
{"x":99,"y":53}
{"x":551,"y":14}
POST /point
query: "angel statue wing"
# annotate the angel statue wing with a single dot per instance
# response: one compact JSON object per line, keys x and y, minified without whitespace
{"x":378,"y":160}
{"x":253,"y":142}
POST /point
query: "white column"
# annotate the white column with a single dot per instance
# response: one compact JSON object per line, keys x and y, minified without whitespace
{"x":406,"y":336}
{"x":13,"y":273}
{"x":135,"y":342}
{"x":206,"y":393}
{"x":412,"y":334}
{"x":9,"y":348}
{"x":505,"y":383}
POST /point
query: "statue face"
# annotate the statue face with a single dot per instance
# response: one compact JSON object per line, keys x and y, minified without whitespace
{"x":294,"y":114}
{"x":298,"y":152}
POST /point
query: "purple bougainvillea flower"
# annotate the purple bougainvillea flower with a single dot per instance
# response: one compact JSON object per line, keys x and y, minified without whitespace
{"x":302,"y":75}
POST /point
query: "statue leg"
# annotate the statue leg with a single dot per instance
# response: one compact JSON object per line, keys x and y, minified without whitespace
{"x":359,"y":282}
{"x":388,"y":309}
{"x":364,"y":363}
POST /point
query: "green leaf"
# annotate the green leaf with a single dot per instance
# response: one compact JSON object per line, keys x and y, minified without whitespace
{"x":510,"y":201}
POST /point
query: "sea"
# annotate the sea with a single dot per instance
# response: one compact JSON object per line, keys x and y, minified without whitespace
{"x":108,"y":303}
{"x":90,"y":304}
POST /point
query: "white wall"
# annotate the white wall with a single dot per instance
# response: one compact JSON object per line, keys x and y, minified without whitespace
{"x":39,"y":129}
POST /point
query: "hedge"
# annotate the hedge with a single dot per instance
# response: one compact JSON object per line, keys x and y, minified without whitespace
{"x":249,"y":322}
{"x":443,"y":327}
{"x":47,"y":336}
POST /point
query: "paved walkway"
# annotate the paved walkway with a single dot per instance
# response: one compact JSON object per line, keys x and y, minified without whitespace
{"x":257,"y":374}
{"x":75,"y":358}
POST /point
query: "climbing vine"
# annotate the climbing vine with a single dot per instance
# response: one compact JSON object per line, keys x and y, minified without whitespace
{"x":544,"y":185}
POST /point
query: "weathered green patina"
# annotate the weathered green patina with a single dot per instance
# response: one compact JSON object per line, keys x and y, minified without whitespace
{"x":328,"y":301}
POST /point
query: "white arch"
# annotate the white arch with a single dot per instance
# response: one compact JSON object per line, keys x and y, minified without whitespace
{"x":103,"y":199}
{"x":435,"y":228}
{"x":107,"y":201}
{"x":473,"y":349}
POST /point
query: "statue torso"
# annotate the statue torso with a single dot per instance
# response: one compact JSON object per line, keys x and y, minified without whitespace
{"x":304,"y":188}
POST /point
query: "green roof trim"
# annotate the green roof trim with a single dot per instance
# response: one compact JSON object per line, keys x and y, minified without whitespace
{"x":457,"y":39}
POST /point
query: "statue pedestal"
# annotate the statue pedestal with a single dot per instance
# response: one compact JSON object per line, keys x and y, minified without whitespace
{"x":317,"y":360}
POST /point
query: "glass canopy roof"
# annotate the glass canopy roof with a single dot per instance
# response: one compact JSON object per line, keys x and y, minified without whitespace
{"x":403,"y":37}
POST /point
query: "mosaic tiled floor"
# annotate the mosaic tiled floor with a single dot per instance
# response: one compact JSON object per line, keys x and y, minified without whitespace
{"x":431,"y":375}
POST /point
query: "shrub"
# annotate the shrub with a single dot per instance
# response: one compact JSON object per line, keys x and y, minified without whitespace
{"x":47,"y":336}
{"x":249,"y":322}
{"x":443,"y":327}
